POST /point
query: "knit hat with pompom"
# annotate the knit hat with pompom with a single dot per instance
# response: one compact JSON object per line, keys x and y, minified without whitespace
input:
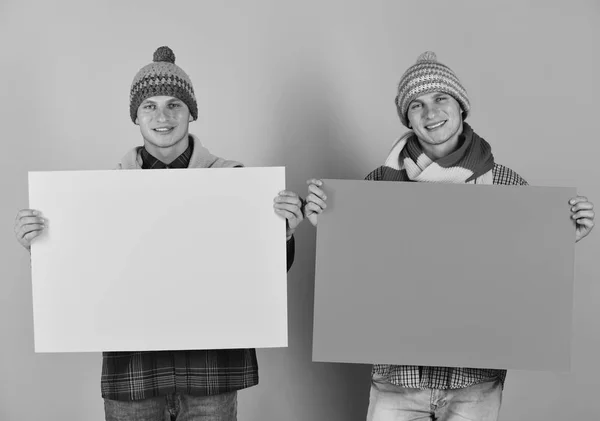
{"x":162,"y":77}
{"x":429,"y":75}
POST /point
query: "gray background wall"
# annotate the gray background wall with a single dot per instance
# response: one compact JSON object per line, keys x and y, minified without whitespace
{"x":309,"y":85}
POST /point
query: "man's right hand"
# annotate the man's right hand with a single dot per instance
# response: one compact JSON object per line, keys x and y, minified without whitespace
{"x":315,"y":201}
{"x":28,"y":225}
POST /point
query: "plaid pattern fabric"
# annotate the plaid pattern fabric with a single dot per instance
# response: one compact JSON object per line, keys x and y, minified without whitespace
{"x":440,"y":377}
{"x":182,"y":161}
{"x":128,"y":376}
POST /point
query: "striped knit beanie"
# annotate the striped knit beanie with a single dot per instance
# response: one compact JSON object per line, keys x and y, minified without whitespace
{"x":426,"y":76}
{"x":162,"y":77}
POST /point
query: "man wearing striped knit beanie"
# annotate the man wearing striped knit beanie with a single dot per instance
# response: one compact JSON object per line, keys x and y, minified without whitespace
{"x":193,"y":384}
{"x":439,"y":148}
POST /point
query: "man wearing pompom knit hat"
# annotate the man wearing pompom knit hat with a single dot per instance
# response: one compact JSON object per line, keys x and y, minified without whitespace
{"x":184,"y":385}
{"x":440,"y":148}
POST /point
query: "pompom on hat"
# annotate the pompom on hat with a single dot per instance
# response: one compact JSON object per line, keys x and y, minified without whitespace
{"x":162,"y":77}
{"x":426,"y":76}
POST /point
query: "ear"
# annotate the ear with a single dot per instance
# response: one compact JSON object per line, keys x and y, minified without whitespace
{"x":190,"y":119}
{"x":137,"y":123}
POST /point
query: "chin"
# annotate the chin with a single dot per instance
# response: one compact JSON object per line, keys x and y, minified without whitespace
{"x":165,"y":143}
{"x":441,"y":137}
{"x":437,"y":141}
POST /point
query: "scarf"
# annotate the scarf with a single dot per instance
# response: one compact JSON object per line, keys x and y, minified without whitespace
{"x":471,"y":163}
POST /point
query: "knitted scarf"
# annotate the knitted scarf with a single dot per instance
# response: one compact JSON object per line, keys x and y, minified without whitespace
{"x":471,"y":163}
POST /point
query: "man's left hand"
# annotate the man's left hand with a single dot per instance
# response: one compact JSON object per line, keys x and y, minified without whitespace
{"x":583,"y":213}
{"x":289,"y":205}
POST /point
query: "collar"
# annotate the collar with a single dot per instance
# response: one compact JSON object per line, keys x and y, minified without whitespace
{"x":182,"y":161}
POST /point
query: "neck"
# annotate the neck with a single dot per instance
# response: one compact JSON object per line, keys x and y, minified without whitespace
{"x":168,"y":155}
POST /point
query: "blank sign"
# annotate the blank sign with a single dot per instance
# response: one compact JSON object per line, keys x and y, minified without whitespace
{"x":159,"y":260}
{"x":444,"y":275}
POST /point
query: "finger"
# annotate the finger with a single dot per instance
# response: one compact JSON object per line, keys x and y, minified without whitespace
{"x":290,"y":208}
{"x":317,"y":191}
{"x":30,"y":220}
{"x":284,"y":213}
{"x":313,"y":208}
{"x":31,"y":235}
{"x":582,"y":205}
{"x":311,"y":198}
{"x":578,"y":199}
{"x":315,"y":181}
{"x":583,"y":214}
{"x":294,"y":208}
{"x":20,"y":230}
{"x":288,"y":193}
{"x":288,"y":198}
{"x":27,"y":212}
{"x":588,"y":223}
{"x":28,"y":228}
{"x":294,"y":200}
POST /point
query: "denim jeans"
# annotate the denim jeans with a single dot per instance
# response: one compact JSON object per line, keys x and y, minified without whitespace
{"x":173,"y":407}
{"x":388,"y":402}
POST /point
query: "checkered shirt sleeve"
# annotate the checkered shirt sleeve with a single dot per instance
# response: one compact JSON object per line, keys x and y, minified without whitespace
{"x":421,"y":377}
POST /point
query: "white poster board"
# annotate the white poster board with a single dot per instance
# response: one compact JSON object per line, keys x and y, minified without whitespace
{"x":159,"y":260}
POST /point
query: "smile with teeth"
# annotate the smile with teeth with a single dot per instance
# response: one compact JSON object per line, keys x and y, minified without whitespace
{"x":163,"y":129}
{"x":436,"y":125}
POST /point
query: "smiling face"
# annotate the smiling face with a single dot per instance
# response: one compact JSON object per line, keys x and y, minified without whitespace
{"x":163,"y":122}
{"x":436,"y":119}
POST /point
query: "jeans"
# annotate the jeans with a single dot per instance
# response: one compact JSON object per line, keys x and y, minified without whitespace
{"x":174,"y":407}
{"x":388,"y":402}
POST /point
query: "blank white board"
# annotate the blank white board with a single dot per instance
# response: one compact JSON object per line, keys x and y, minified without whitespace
{"x":159,"y":260}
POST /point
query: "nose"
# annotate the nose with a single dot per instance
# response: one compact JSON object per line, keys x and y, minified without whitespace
{"x":162,"y":114}
{"x":430,"y":111}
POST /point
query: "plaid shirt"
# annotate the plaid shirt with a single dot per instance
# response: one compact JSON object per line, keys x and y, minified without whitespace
{"x":440,"y":377}
{"x":149,"y":162}
{"x":130,"y":376}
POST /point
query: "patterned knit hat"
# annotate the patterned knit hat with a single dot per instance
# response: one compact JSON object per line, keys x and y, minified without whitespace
{"x":162,"y":77}
{"x":429,"y":75}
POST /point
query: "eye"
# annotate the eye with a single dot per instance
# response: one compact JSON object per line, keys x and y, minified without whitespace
{"x":441,"y":98}
{"x":414,"y":106}
{"x":148,"y":107}
{"x":175,"y":105}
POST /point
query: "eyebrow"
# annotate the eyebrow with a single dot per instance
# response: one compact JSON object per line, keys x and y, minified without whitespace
{"x":149,"y":101}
